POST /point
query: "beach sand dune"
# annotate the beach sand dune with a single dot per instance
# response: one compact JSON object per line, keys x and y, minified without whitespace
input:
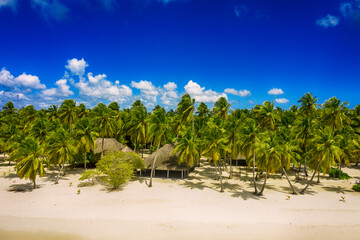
{"x":177,"y":209}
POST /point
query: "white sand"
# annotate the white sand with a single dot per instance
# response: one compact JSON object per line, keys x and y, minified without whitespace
{"x":178,"y":209}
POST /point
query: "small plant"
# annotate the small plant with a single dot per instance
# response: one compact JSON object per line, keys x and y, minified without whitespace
{"x":90,"y":175}
{"x":287,"y":197}
{"x":78,"y":192}
{"x":336,"y":173}
{"x":356,"y":187}
{"x":70,"y":184}
{"x":342,"y":199}
{"x":4,"y":173}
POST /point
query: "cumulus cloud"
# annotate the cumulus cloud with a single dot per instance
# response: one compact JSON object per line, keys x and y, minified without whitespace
{"x":281,"y":100}
{"x":147,"y":89}
{"x":63,"y":89}
{"x":169,"y":94}
{"x":50,"y":9}
{"x":275,"y":91}
{"x":29,"y":81}
{"x":197,"y":92}
{"x":76,"y":66}
{"x":101,"y":88}
{"x":328,"y":21}
{"x":6,"y":79}
{"x":241,"y":93}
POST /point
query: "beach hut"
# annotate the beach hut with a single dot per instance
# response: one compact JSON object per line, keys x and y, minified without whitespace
{"x":127,"y":149}
{"x":110,"y":146}
{"x":239,"y":161}
{"x":166,"y":164}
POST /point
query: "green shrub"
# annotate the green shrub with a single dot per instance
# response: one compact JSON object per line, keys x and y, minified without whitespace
{"x":356,"y":187}
{"x":91,"y":175}
{"x":336,"y":173}
{"x":117,"y":168}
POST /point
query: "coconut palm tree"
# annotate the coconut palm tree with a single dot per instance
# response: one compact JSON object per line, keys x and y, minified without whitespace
{"x":325,"y":150}
{"x":60,"y":149}
{"x":30,"y":160}
{"x":86,"y":136}
{"x":250,"y":136}
{"x":221,"y":108}
{"x":308,"y":104}
{"x":336,"y":114}
{"x":53,"y":113}
{"x":188,"y":148}
{"x":267,"y":115}
{"x":67,"y":112}
{"x":104,"y":118}
{"x":215,"y":143}
{"x":159,"y":127}
{"x":139,"y":126}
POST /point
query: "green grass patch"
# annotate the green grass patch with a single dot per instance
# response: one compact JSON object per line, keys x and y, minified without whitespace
{"x":336,"y":173}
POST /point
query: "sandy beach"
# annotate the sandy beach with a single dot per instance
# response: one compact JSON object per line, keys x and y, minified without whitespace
{"x":177,"y":209}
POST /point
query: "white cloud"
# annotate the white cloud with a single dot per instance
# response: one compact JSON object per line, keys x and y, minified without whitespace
{"x":169,"y":94}
{"x":328,"y":21}
{"x":200,"y":95}
{"x":50,"y":9}
{"x":117,"y":82}
{"x":12,"y":96}
{"x":101,"y":88}
{"x":6,"y":78}
{"x":62,"y":90}
{"x":76,"y":66}
{"x":147,"y":89}
{"x":29,"y":81}
{"x":281,"y":100}
{"x":170,"y":86}
{"x":241,"y":93}
{"x":275,"y":91}
{"x":8,"y":3}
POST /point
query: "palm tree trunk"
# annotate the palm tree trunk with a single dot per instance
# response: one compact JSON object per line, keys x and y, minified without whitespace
{"x":221,"y":183}
{"x":317,"y":167}
{"x":231,"y":168}
{"x":142,"y":151}
{"x":102,"y":147}
{"x":305,"y":170}
{"x":60,"y":169}
{"x":153,"y":165}
{"x":318,"y":181}
{"x":263,"y":187}
{"x":85,"y":161}
{"x":34,"y":184}
{"x":256,"y":191}
{"x":292,"y":187}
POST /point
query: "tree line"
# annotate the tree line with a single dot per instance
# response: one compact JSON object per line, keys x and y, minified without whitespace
{"x":310,"y":137}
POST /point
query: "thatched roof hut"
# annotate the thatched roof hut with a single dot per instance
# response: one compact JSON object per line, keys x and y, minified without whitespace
{"x":165,"y":160}
{"x":240,"y":157}
{"x":110,"y":146}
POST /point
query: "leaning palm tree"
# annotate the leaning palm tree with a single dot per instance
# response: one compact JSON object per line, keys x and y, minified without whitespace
{"x":325,"y":150}
{"x":86,"y":136}
{"x":60,"y":149}
{"x":159,"y":127}
{"x":215,"y":143}
{"x":30,"y":160}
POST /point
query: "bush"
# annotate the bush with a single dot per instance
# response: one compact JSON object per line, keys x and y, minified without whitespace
{"x":91,"y":175}
{"x":117,"y":168}
{"x":336,"y":173}
{"x":356,"y":187}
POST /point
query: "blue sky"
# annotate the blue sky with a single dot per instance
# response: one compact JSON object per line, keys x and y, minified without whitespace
{"x":156,"y":50}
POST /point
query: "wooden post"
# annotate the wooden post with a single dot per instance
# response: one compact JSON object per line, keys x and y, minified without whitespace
{"x":182,"y":174}
{"x":167,"y":174}
{"x":140,"y":172}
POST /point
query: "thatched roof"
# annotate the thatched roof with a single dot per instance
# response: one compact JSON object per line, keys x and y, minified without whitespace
{"x":164,"y":160}
{"x":127,"y":149}
{"x":110,"y":146}
{"x":240,"y":157}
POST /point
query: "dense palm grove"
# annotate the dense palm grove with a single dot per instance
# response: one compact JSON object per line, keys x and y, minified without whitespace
{"x":310,"y":137}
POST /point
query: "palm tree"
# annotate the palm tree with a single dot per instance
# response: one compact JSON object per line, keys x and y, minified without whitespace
{"x":30,"y":160}
{"x":186,"y":109}
{"x":221,"y":108}
{"x":308,"y":104}
{"x":189,"y":149}
{"x":60,"y":149}
{"x":104,"y":118}
{"x":215,"y":143}
{"x":86,"y":136}
{"x":67,"y":112}
{"x":335,"y":114}
{"x":250,"y":137}
{"x":158,"y":128}
{"x":267,"y":115}
{"x":139,"y":126}
{"x":325,"y":150}
{"x":53,"y":113}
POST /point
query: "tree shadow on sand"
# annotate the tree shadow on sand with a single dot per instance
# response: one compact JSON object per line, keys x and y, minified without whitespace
{"x":246,"y":195}
{"x":22,"y":187}
{"x":337,"y":189}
